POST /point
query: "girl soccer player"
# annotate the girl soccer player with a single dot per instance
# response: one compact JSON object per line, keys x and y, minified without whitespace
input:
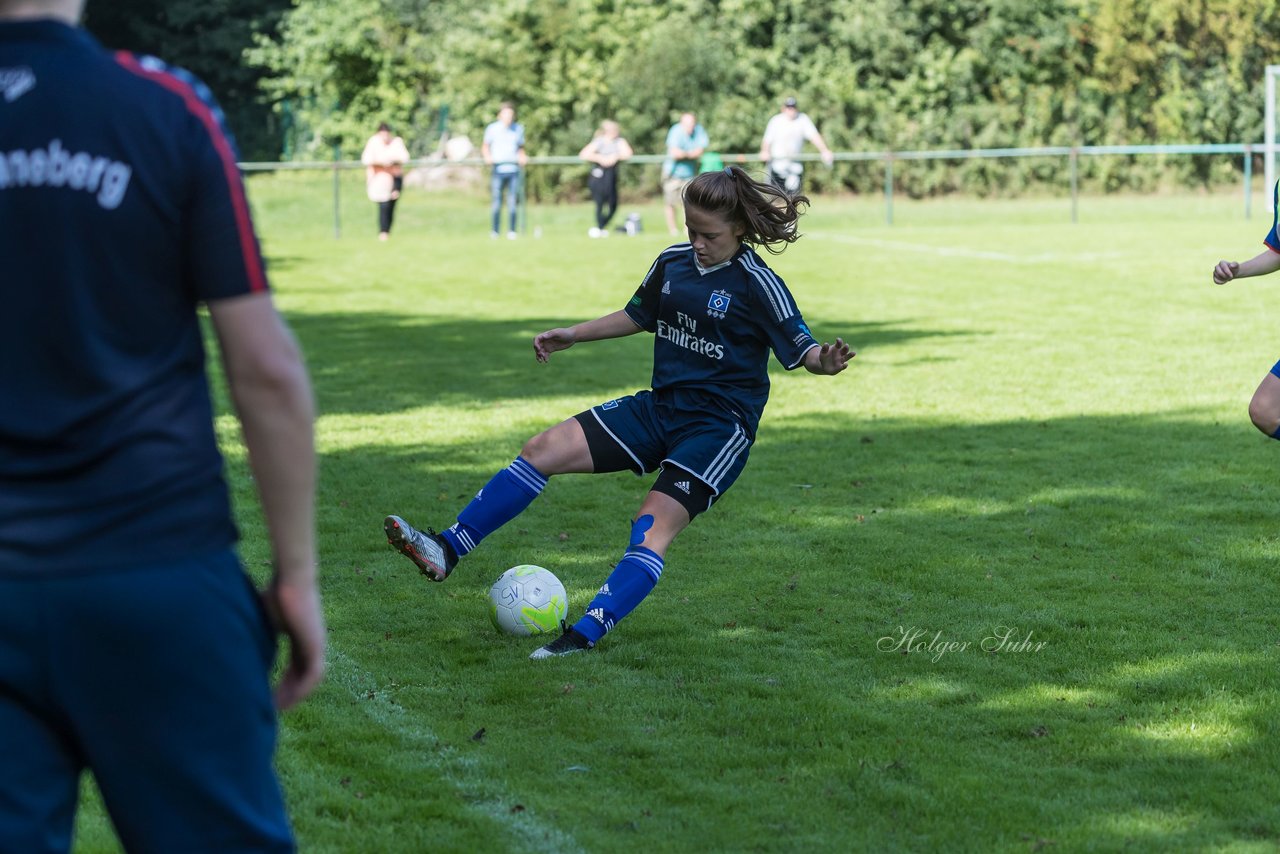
{"x":715,"y":310}
{"x":1264,"y":408}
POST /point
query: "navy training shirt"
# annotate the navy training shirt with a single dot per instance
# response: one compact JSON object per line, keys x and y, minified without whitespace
{"x":714,"y":328}
{"x":121,"y":209}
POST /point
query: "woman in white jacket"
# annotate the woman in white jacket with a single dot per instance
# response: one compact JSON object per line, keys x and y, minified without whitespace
{"x":384,"y":158}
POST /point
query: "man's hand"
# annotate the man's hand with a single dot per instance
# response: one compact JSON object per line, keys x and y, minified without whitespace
{"x":294,"y":607}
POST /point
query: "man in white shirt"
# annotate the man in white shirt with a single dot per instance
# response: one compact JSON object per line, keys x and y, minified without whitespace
{"x":783,"y":140}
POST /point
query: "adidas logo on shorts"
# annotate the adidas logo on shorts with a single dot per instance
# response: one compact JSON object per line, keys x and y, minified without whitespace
{"x":666,"y":287}
{"x":683,"y":486}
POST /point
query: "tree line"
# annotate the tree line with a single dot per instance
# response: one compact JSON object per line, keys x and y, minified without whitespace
{"x":300,"y":78}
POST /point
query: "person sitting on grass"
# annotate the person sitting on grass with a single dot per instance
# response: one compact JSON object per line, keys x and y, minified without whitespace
{"x":1264,"y":407}
{"x":715,"y":310}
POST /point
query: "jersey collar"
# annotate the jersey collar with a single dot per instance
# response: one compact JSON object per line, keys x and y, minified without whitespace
{"x":702,"y":271}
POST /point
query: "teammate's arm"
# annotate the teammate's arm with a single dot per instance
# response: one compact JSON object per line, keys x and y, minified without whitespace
{"x":1260,"y":265}
{"x":616,"y":325}
{"x":272,"y":397}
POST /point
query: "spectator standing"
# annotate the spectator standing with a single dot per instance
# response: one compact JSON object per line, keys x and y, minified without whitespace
{"x":384,"y":157}
{"x":132,"y":644}
{"x":784,"y":139}
{"x":686,"y":141}
{"x":503,"y":149}
{"x":604,"y":153}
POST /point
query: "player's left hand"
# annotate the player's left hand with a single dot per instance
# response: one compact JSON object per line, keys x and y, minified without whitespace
{"x":828,"y":159}
{"x":834,"y":358}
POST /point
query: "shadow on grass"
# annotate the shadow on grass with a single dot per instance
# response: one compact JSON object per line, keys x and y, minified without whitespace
{"x":378,"y":363}
{"x":1139,"y":550}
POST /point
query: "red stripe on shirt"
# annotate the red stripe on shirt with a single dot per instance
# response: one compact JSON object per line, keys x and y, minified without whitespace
{"x":239,"y":204}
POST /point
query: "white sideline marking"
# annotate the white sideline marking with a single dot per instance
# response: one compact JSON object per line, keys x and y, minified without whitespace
{"x":458,"y":771}
{"x":962,"y":252}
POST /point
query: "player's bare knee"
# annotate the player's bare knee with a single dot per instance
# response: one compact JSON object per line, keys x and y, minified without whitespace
{"x":1264,"y":415}
{"x":539,"y":450}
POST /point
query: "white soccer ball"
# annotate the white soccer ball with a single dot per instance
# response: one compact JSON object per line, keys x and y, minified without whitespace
{"x":527,"y":600}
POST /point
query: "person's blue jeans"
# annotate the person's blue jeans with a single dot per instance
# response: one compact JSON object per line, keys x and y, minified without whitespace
{"x":509,"y":181}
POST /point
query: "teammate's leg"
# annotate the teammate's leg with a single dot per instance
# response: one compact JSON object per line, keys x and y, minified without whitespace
{"x":1264,"y":408}
{"x":660,"y":519}
{"x":560,"y":450}
{"x":706,"y":456}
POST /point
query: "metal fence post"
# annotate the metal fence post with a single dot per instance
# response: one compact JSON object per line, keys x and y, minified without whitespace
{"x":1074,"y":158}
{"x":337,"y":218}
{"x":1248,"y":180}
{"x":888,"y":188}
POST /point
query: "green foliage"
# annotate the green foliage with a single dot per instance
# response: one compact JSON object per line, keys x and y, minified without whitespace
{"x":874,"y":74}
{"x":206,"y":37}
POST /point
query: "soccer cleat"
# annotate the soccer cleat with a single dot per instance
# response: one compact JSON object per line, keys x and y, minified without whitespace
{"x":567,"y":644}
{"x":430,"y":552}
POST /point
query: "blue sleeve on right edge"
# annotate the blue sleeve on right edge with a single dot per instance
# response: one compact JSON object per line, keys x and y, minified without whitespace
{"x":1273,"y":237}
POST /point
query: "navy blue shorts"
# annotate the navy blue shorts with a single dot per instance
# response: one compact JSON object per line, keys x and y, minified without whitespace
{"x":155,"y":679}
{"x":709,"y":444}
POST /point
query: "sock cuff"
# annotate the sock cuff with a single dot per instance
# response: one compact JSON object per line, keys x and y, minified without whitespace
{"x":647,"y":559}
{"x":526,"y":476}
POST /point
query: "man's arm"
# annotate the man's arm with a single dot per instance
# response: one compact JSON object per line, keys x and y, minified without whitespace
{"x":272,"y":398}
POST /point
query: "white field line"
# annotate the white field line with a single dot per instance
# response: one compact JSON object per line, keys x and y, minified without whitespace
{"x":963,"y":252}
{"x":461,"y":772}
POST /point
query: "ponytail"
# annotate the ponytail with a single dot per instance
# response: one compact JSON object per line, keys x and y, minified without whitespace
{"x":766,"y":215}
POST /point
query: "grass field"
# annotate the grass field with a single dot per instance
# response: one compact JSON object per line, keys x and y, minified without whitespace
{"x":1007,"y":584}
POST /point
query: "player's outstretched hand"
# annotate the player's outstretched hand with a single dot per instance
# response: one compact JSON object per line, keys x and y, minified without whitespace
{"x":552,"y":341}
{"x":1225,"y":272}
{"x":834,"y":358}
{"x":294,"y":607}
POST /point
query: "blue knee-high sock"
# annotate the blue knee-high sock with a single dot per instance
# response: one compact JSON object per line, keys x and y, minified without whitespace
{"x":631,"y":580}
{"x":502,"y":499}
{"x":1276,"y":435}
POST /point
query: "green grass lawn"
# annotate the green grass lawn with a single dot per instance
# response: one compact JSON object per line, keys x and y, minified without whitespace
{"x":1006,"y":584}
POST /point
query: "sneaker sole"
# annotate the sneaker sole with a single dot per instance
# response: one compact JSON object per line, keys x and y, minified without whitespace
{"x":534,"y":656}
{"x":398,"y":541}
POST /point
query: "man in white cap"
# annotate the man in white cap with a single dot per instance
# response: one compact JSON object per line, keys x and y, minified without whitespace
{"x":783,"y":140}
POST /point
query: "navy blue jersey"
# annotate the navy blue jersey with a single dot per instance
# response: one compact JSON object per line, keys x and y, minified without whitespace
{"x":714,"y":328}
{"x":121,"y":209}
{"x":1272,"y":240}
